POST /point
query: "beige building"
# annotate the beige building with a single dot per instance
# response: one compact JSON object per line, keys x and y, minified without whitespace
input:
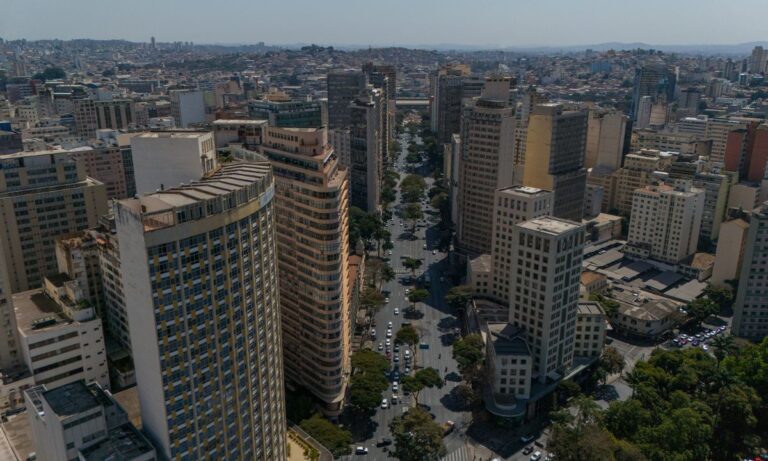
{"x":246,"y":132}
{"x":512,"y":206}
{"x":86,"y":121}
{"x":554,"y":157}
{"x":546,"y":263}
{"x":43,"y":195}
{"x":201,"y":291}
{"x":750,"y":310}
{"x":115,"y":114}
{"x":9,"y":341}
{"x":509,"y":362}
{"x":620,"y":185}
{"x":645,"y":317}
{"x":730,"y":251}
{"x":606,"y":136}
{"x":487,"y":149}
{"x":665,"y":222}
{"x":590,"y":330}
{"x":312,"y":201}
{"x":745,"y":196}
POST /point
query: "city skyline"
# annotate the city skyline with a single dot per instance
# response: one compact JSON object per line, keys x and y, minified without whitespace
{"x":583,"y":24}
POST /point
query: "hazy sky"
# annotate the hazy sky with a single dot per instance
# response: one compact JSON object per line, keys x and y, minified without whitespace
{"x":388,"y":22}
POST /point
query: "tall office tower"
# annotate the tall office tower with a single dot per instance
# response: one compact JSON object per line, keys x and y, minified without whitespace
{"x":366,"y":165}
{"x":201,"y":293}
{"x":487,"y":156}
{"x":86,"y":121}
{"x":9,"y":340}
{"x":187,"y":107}
{"x":644,"y":108}
{"x":384,"y":77}
{"x":83,"y":422}
{"x":451,"y":169}
{"x":165,"y":159}
{"x":43,"y":195}
{"x":343,"y":88}
{"x":60,"y":336}
{"x":606,"y":137}
{"x":287,"y":114}
{"x":450,"y":87}
{"x":717,"y":131}
{"x":666,"y":221}
{"x":757,"y":60}
{"x":530,"y":99}
{"x":312,"y":199}
{"x":546,"y":263}
{"x":115,"y":114}
{"x":749,"y":311}
{"x":554,"y":157}
{"x":689,"y":100}
{"x":746,"y":151}
{"x":656,"y":80}
{"x":512,"y":205}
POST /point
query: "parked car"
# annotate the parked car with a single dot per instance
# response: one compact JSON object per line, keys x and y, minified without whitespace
{"x":384,"y":403}
{"x":361,"y":451}
{"x":397,"y":311}
{"x":528,"y":450}
{"x":395,"y":386}
{"x":381,"y":346}
{"x":536,"y":456}
{"x":383,"y":442}
{"x":527,"y":438}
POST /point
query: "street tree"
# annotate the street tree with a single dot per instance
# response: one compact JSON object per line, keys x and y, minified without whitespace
{"x":413,"y":213}
{"x":701,"y":308}
{"x":412,"y":264}
{"x":720,"y":295}
{"x":407,"y":335}
{"x":722,"y":346}
{"x":387,"y":273}
{"x":469,"y":354}
{"x":458,"y":297}
{"x":372,"y":299}
{"x":331,"y":436}
{"x":416,"y":296}
{"x":611,"y":362}
{"x":417,"y":437}
{"x":424,"y":378}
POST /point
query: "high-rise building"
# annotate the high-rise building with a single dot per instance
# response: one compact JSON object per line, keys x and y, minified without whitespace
{"x":450,"y":87}
{"x":656,"y":80}
{"x":165,"y":159}
{"x":77,"y":257}
{"x":199,"y":274}
{"x":606,"y":137}
{"x":384,"y":77}
{"x":60,"y":336}
{"x":187,"y":107}
{"x":287,"y":114}
{"x":665,"y":221}
{"x":366,"y":166}
{"x":512,"y":205}
{"x":86,"y":121}
{"x":9,"y":340}
{"x":81,"y":421}
{"x":43,"y":195}
{"x":718,"y":130}
{"x":115,"y":114}
{"x":112,"y":165}
{"x":758,"y":61}
{"x":451,"y":169}
{"x":487,"y":156}
{"x":730,"y":251}
{"x":555,"y":157}
{"x":530,"y":99}
{"x":343,"y":88}
{"x":750,"y":311}
{"x":546,"y":266}
{"x":746,"y":151}
{"x":312,"y":199}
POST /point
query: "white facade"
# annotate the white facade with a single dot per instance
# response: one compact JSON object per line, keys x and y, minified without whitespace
{"x":590,"y":330}
{"x":162,"y":160}
{"x":187,"y":107}
{"x":509,"y":361}
{"x":666,"y":221}
{"x":546,"y":266}
{"x":750,"y":311}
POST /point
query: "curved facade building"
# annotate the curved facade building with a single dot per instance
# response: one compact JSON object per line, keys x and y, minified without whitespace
{"x":199,"y":266}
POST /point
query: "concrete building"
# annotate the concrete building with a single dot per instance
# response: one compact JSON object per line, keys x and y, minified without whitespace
{"x":86,"y":121}
{"x":718,"y":130}
{"x":115,"y":114}
{"x":449,"y":87}
{"x":590,"y":330}
{"x":746,"y":151}
{"x":312,"y":199}
{"x":77,"y":257}
{"x":716,"y":187}
{"x":344,"y":86}
{"x":546,"y":263}
{"x":665,"y":222}
{"x":287,"y":114}
{"x":200,"y":280}
{"x":83,"y":422}
{"x":341,"y":141}
{"x":509,"y":362}
{"x":554,"y":157}
{"x":744,"y":196}
{"x":451,"y":169}
{"x":750,"y":311}
{"x":638,"y":172}
{"x":43,"y":195}
{"x":656,"y":80}
{"x":165,"y":159}
{"x":245,"y":132}
{"x":111,"y":165}
{"x":60,"y":336}
{"x":730,"y":251}
{"x":512,"y":205}
{"x":9,"y":340}
{"x":530,"y":99}
{"x":487,"y":156}
{"x":758,"y":61}
{"x":187,"y":107}
{"x":366,"y":160}
{"x":606,"y":138}
{"x":645,"y":318}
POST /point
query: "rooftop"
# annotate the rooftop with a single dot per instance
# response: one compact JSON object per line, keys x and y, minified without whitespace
{"x":524,"y":190}
{"x":172,"y":134}
{"x":35,"y":311}
{"x":508,"y":339}
{"x":71,"y":399}
{"x":122,"y":443}
{"x":239,"y":122}
{"x":550,"y":225}
{"x":590,"y":308}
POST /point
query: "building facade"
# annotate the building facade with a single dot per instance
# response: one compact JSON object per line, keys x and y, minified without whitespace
{"x":750,"y":311}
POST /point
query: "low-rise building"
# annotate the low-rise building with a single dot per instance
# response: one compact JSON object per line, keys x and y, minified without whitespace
{"x":510,"y":363}
{"x":593,"y":282}
{"x":642,"y":316}
{"x":590,"y":330}
{"x":479,"y":271}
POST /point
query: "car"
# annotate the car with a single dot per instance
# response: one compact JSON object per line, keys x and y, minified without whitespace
{"x":381,"y":346}
{"x":390,"y":253}
{"x":397,"y":358}
{"x":394,"y":399}
{"x":383,"y":442}
{"x":389,"y":355}
{"x":550,"y":457}
{"x":695,"y":342}
{"x":536,"y":456}
{"x":528,"y":450}
{"x":705,"y":347}
{"x":407,"y":353}
{"x":407,"y":369}
{"x":389,"y":325}
{"x":407,"y":290}
{"x":425,"y":246}
{"x":397,"y":311}
{"x":373,"y":332}
{"x":434,"y":252}
{"x":389,"y":333}
{"x":395,"y":386}
{"x":386,"y":300}
{"x":397,"y":348}
{"x":388,"y":342}
{"x":384,"y":403}
{"x":527,"y":438}
{"x":361,"y":451}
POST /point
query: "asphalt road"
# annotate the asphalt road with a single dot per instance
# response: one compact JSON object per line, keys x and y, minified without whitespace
{"x":435,"y":328}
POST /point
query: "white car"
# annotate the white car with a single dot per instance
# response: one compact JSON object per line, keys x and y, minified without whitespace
{"x":386,"y":300}
{"x":381,"y":346}
{"x":395,"y":386}
{"x":407,"y":353}
{"x":361,"y":451}
{"x":434,"y":252}
{"x":389,"y":325}
{"x":389,"y":333}
{"x":397,"y":311}
{"x":536,"y":456}
{"x":387,"y":343}
{"x":407,"y":290}
{"x":373,"y":332}
{"x":425,"y":246}
{"x":390,"y":252}
{"x":384,"y":403}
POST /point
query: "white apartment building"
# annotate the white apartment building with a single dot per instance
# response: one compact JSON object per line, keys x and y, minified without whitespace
{"x":199,"y":270}
{"x":665,"y":221}
{"x":187,"y":107}
{"x":165,"y":159}
{"x":79,"y":421}
{"x":512,"y":206}
{"x":60,"y":336}
{"x":750,"y":311}
{"x":546,"y":266}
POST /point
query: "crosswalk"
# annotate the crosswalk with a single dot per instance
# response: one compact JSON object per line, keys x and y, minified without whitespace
{"x":458,"y":455}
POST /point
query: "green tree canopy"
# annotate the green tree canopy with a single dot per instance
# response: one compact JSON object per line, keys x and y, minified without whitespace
{"x":469,"y":354}
{"x":418,"y":295}
{"x":417,"y":437}
{"x":458,"y":296}
{"x":407,"y":335}
{"x":334,"y":438}
{"x":412,"y":264}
